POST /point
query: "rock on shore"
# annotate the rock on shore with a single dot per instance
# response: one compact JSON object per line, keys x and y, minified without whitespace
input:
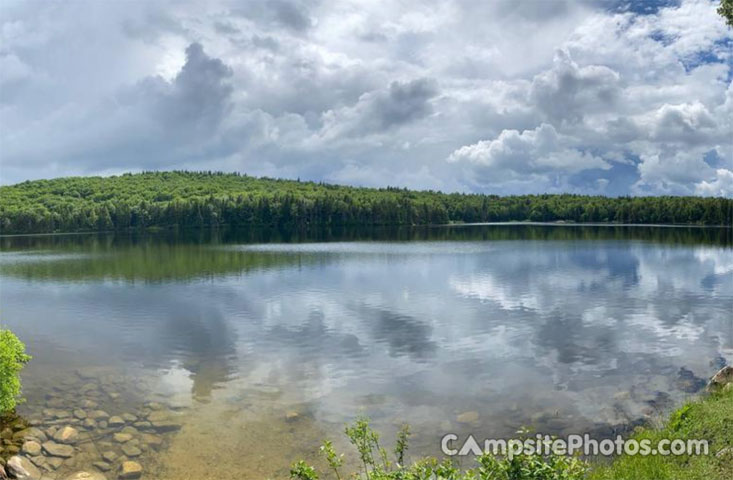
{"x":722,"y":379}
{"x":21,"y":468}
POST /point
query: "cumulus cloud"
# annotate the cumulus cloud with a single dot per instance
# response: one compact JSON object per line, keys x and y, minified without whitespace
{"x":674,"y":174}
{"x":720,"y":186}
{"x":567,"y":92}
{"x":154,"y":123}
{"x":200,"y":94}
{"x":503,"y":97}
{"x":512,"y":155}
{"x":292,"y":15}
{"x":377,"y":111}
{"x":688,"y":123}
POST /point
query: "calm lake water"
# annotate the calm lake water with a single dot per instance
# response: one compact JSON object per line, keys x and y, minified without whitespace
{"x":261,"y":344}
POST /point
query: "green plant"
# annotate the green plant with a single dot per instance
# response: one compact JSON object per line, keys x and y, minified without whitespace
{"x":376,"y":465}
{"x":401,"y":446}
{"x":334,"y":460}
{"x":303,"y":471}
{"x":725,"y":10}
{"x":12,"y":359}
{"x":362,"y":437}
{"x":708,"y":418}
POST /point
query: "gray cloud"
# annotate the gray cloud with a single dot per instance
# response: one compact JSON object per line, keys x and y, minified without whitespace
{"x":405,"y":102}
{"x":567,"y":92}
{"x":502,"y":97}
{"x":293,"y":15}
{"x":380,"y":110}
{"x":200,"y":95}
{"x":154,"y":123}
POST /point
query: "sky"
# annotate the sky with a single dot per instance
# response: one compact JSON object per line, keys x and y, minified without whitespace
{"x":502,"y":96}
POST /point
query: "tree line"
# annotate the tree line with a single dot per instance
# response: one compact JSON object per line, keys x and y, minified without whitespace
{"x":213,"y":199}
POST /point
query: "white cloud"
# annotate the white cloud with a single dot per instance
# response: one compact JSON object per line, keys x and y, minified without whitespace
{"x":687,"y":123}
{"x":521,"y":96}
{"x":720,"y":186}
{"x":672,"y":173}
{"x":512,"y":155}
{"x":568,"y":92}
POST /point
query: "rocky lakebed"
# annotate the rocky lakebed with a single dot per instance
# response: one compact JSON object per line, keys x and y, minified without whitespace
{"x":88,"y":428}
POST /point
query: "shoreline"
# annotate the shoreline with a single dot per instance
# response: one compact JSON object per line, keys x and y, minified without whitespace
{"x":398,"y":226}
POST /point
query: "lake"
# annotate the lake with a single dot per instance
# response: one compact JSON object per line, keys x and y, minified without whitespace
{"x":233,"y":354}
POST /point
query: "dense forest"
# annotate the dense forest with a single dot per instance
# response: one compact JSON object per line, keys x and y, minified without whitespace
{"x":211,"y":199}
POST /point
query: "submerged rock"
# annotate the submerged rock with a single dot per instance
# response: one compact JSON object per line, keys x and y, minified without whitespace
{"x":129,"y":417}
{"x":122,"y":437}
{"x":12,"y":449}
{"x":54,"y":462}
{"x":98,"y":415}
{"x":66,"y":435}
{"x":22,"y":469}
{"x":109,"y":456}
{"x":58,"y":450}
{"x":163,"y":421}
{"x":468,"y":417}
{"x":115,"y":421}
{"x":86,"y":476}
{"x":688,"y":382}
{"x":31,"y":433}
{"x":102,"y":466}
{"x":130,"y":470}
{"x":153,"y":441}
{"x":31,"y":448}
{"x":131,"y":451}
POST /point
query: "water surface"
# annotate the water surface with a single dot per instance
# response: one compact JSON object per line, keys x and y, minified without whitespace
{"x":565,"y":329}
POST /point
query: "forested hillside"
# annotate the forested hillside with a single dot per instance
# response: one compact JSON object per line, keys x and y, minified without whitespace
{"x":205,"y":199}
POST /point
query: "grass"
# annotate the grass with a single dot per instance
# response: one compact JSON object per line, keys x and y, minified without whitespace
{"x":707,"y":418}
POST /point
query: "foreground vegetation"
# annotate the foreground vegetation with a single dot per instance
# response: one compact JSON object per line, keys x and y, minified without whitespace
{"x":710,"y":418}
{"x":12,"y":359}
{"x":379,"y":464}
{"x":198,"y":199}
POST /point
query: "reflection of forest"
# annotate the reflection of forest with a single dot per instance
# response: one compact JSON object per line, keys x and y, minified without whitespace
{"x":150,"y":262}
{"x":183,"y":255}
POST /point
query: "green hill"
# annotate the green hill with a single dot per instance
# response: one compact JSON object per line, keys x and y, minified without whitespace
{"x":204,"y":199}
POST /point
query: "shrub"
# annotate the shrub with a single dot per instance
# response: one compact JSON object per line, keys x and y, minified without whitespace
{"x":12,"y":359}
{"x":376,"y":464}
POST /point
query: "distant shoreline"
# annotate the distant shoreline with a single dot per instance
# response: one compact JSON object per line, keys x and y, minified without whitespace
{"x":589,"y":224}
{"x":154,"y":230}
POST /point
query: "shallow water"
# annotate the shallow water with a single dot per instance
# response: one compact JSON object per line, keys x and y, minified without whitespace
{"x":262,"y":344}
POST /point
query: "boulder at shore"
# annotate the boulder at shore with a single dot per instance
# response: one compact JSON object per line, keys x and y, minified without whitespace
{"x":22,"y":469}
{"x":721,"y":379}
